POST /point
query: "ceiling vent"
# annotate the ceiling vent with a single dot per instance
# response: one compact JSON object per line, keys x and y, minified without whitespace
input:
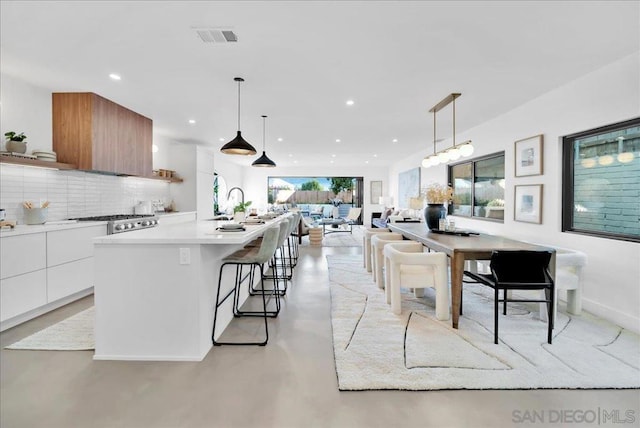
{"x":216,"y":35}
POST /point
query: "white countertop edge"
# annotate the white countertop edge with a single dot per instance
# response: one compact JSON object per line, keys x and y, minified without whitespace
{"x":25,"y":229}
{"x":188,"y":233}
{"x":162,"y":214}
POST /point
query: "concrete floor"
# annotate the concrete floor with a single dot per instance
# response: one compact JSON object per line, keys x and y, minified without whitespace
{"x":289,"y":383}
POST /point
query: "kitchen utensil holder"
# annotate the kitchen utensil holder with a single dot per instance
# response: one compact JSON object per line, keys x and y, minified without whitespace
{"x":35,"y":215}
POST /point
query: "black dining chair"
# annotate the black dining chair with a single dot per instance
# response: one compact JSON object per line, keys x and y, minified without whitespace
{"x":519,"y":270}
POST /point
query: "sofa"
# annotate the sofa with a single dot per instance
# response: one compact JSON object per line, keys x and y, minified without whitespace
{"x":380,"y":220}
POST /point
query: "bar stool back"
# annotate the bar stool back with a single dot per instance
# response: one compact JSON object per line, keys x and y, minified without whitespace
{"x":254,"y":258}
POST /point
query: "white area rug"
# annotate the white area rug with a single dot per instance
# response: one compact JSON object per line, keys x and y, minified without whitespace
{"x":72,"y":334}
{"x":375,"y":349}
{"x":340,"y":239}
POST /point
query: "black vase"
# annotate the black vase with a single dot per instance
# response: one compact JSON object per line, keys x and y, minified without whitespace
{"x":433,"y":213}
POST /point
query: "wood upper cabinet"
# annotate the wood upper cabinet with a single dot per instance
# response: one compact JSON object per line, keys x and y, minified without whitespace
{"x":99,"y":135}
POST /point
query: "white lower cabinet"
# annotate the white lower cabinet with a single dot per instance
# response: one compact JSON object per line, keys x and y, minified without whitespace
{"x":65,"y":246}
{"x":22,"y":293}
{"x":42,"y":271}
{"x":69,"y":278}
{"x":21,"y":254}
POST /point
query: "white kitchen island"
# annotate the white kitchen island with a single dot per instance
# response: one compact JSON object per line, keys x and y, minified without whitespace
{"x":155,"y":290}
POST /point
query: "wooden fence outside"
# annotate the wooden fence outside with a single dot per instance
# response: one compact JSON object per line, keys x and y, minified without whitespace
{"x":311,"y":196}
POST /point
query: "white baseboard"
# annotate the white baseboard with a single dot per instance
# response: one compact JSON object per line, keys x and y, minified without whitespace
{"x":107,"y":357}
{"x":19,"y":319}
{"x":611,"y":314}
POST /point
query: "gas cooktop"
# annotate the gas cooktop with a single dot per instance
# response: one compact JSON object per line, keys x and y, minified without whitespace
{"x":118,"y":223}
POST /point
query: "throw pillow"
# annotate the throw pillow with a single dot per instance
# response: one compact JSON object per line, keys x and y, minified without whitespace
{"x":386,"y":213}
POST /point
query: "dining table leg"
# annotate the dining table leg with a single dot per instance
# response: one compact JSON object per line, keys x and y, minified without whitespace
{"x":457,"y":271}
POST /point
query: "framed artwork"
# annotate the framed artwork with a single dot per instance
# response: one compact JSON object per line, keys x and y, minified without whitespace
{"x":408,"y":186}
{"x":376,"y":191}
{"x":528,"y":203}
{"x":528,"y":156}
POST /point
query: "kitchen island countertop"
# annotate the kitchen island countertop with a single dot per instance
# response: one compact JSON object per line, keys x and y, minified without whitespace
{"x":193,"y":232}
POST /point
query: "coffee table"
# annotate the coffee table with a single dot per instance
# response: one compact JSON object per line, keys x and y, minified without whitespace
{"x":335,"y":223}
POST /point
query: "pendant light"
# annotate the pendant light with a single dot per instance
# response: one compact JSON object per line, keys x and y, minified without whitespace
{"x":263,"y":161}
{"x":238,"y":146}
{"x":456,"y":151}
{"x":432,"y":160}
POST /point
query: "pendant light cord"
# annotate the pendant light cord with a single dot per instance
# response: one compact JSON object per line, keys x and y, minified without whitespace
{"x":238,"y":105}
{"x":454,"y":123}
{"x":264,"y":124}
{"x":434,"y":133}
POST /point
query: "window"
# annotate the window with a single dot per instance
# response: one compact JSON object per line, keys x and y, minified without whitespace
{"x":316,"y":196}
{"x":478,"y":187}
{"x":601,"y":182}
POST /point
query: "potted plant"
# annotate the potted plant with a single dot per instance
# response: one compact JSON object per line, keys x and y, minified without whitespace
{"x":15,"y":142}
{"x":239,"y":211}
{"x":436,"y":195}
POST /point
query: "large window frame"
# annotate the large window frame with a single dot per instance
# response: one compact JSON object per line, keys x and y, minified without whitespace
{"x":568,"y":178}
{"x":475,"y":212}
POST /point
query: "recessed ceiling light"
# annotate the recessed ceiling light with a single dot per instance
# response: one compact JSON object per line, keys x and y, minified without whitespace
{"x":220,"y":139}
{"x":366,"y":161}
{"x":295,"y":161}
{"x":350,"y":102}
{"x":331,"y":161}
{"x":115,"y":76}
{"x":333,"y":155}
{"x":290,"y":155}
{"x":395,"y":140}
{"x":375,"y":155}
{"x":280,"y":139}
{"x":337,"y":140}
{"x":191,"y":121}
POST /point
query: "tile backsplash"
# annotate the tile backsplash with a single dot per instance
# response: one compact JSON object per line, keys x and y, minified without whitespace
{"x":74,"y":193}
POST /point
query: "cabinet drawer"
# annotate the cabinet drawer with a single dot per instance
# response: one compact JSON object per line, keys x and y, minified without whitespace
{"x":65,"y":246}
{"x":22,"y":293}
{"x":22,"y":254}
{"x":69,"y":278}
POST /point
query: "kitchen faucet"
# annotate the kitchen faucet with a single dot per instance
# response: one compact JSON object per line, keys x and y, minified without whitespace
{"x":236,"y":188}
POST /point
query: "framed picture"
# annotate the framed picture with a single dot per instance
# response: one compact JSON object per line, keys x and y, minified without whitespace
{"x":528,"y":156}
{"x":408,"y":186}
{"x":528,"y":203}
{"x":376,"y":191}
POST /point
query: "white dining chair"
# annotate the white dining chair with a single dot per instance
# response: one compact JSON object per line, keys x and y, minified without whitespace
{"x":408,"y":266}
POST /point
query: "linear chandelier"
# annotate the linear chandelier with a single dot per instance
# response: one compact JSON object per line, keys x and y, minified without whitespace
{"x":454,"y":152}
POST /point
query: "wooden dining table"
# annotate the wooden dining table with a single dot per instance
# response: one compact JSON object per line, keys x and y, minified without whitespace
{"x":461,"y":248}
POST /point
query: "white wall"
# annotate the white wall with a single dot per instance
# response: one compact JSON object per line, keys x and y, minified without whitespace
{"x":255,"y":182}
{"x":26,"y":108}
{"x":608,"y":95}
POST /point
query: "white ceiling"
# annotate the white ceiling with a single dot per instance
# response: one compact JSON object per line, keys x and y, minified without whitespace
{"x":302,"y":60}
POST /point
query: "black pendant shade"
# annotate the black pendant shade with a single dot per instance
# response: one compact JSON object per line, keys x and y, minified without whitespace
{"x":263,"y":161}
{"x":238,"y":146}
